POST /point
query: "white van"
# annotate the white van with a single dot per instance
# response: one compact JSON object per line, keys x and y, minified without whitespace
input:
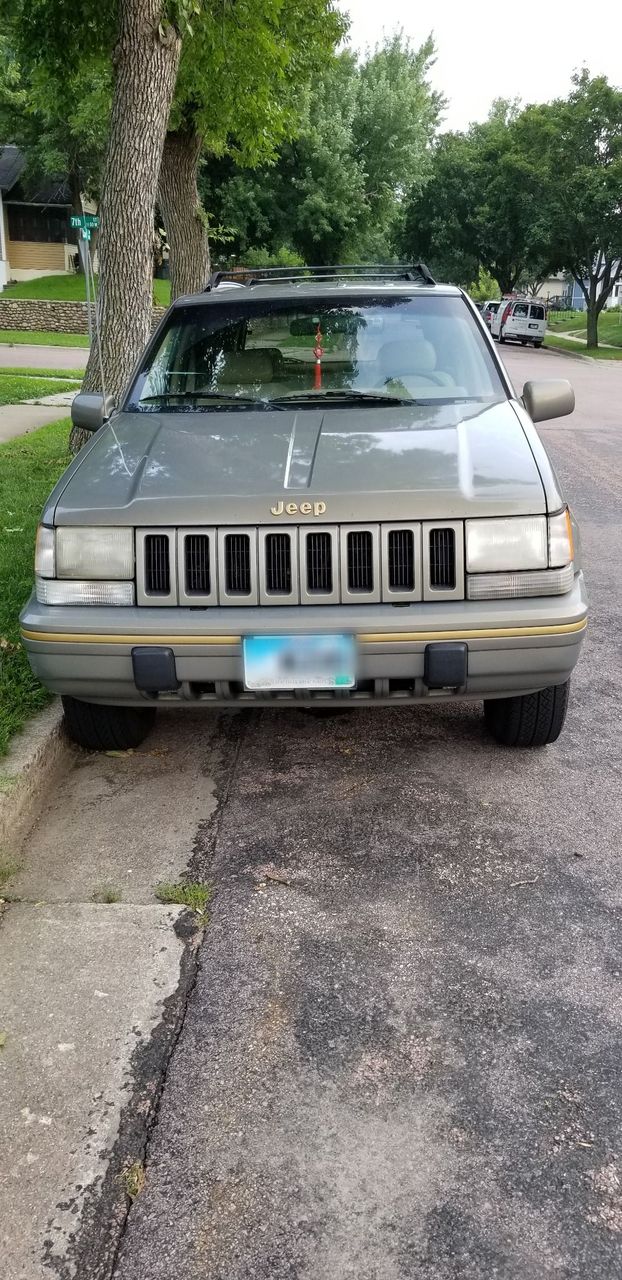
{"x":520,"y":320}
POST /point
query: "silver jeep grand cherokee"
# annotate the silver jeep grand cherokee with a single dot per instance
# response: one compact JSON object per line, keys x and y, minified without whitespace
{"x":321,"y":491}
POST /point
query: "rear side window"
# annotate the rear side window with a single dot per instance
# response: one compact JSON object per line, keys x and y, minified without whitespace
{"x":537,"y":312}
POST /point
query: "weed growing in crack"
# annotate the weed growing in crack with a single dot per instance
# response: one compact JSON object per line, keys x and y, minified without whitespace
{"x":192,"y":895}
{"x":106,"y":893}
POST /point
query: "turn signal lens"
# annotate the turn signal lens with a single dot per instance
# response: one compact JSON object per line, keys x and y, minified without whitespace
{"x":44,"y":552}
{"x":511,"y":586}
{"x":65,"y":592}
{"x":561,"y":544}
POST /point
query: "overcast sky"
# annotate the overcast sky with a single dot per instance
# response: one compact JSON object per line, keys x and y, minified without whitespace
{"x":493,"y":49}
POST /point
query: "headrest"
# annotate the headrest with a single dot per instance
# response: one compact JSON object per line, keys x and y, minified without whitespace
{"x":407,"y":356}
{"x":244,"y":367}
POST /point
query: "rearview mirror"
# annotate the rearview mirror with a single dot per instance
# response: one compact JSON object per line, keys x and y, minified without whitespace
{"x":551,"y":398}
{"x":90,"y":410}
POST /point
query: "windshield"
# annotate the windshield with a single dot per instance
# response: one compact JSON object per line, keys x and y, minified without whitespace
{"x":259,"y":353}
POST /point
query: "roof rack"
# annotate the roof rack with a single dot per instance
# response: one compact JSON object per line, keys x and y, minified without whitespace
{"x":417,"y":272}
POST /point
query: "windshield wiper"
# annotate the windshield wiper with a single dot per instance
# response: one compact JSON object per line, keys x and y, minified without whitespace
{"x":372,"y":397}
{"x":228,"y":397}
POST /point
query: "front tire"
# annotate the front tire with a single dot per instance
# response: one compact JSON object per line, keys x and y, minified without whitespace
{"x":530,"y":720}
{"x":101,"y":728}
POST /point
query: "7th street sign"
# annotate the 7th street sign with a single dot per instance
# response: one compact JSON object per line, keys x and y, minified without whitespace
{"x":85,"y":222}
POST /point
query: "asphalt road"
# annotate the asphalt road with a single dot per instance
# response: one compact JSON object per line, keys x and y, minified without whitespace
{"x":401,"y":1057}
{"x":408,"y":1059}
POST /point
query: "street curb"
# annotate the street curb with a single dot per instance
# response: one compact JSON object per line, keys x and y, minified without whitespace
{"x":574,"y":355}
{"x":36,"y":757}
{"x":577,"y":355}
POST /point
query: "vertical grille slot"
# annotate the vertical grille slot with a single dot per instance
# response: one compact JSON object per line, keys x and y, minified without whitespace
{"x":197,"y":564}
{"x":319,"y":562}
{"x":238,"y":564}
{"x":157,"y":564}
{"x":278,"y":564}
{"x":443,"y":558}
{"x":360,"y":561}
{"x":401,"y":555}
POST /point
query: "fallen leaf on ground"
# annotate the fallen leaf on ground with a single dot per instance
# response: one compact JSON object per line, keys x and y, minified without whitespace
{"x":2,"y":1039}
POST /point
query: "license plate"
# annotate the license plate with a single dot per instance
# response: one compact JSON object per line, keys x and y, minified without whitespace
{"x":533,"y":326}
{"x":299,"y":662}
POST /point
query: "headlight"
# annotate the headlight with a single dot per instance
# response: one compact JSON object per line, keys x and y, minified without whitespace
{"x":95,"y":553}
{"x":520,"y":542}
{"x":520,"y":556}
{"x":84,"y":566}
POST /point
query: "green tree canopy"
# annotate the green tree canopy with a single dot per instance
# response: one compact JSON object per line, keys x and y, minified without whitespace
{"x":336,"y":189}
{"x":480,"y":205}
{"x":573,"y":148}
{"x":61,"y":124}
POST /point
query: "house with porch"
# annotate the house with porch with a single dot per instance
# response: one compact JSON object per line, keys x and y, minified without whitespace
{"x":36,"y":238}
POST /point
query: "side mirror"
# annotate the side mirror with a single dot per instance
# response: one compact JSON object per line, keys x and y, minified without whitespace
{"x":90,"y":410}
{"x":551,"y":398}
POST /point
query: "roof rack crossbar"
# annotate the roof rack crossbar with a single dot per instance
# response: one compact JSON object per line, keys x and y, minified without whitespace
{"x":415,"y":271}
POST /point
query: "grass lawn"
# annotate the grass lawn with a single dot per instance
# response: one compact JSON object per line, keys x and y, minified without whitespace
{"x":71,"y":288}
{"x":29,"y":468}
{"x":23,"y":371}
{"x":559,"y":343}
{"x":14,"y":388}
{"x":609,"y":325}
{"x":42,"y":338}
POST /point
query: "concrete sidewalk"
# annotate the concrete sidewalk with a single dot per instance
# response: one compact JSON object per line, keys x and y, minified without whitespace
{"x":18,"y":355}
{"x":21,"y":419}
{"x":92,"y":996}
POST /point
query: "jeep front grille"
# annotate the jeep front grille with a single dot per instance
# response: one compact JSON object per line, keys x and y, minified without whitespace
{"x":238,"y":564}
{"x":278,"y":553}
{"x":401,"y":560}
{"x":396,"y":563}
{"x":157,"y":564}
{"x":197,"y":564}
{"x":360,"y":560}
{"x":443,"y":559}
{"x":319,"y":563}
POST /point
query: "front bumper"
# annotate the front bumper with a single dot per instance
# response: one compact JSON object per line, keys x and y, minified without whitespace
{"x":514,"y":646}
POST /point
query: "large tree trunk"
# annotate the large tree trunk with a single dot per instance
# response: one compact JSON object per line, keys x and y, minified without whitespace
{"x":592,"y":327}
{"x":146,"y":58}
{"x":593,"y":310}
{"x":183,"y":213}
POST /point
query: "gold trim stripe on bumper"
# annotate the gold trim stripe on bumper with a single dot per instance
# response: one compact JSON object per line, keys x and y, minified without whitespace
{"x":369,"y":637}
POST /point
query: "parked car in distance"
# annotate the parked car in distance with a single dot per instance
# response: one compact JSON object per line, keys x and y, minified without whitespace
{"x":519,"y":320}
{"x":320,"y":491}
{"x":490,"y":309}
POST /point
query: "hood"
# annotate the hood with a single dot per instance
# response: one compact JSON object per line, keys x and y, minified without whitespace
{"x":402,"y":463}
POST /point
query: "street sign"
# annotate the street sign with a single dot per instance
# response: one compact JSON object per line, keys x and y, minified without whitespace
{"x":84,"y":220}
{"x":86,"y":233}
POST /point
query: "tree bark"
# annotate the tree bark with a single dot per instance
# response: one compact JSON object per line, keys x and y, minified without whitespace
{"x":146,"y":59}
{"x":592,"y":326}
{"x":183,"y":213}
